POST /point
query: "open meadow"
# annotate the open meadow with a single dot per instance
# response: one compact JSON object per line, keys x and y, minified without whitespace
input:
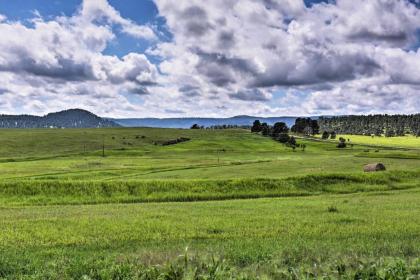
{"x":118,"y":203}
{"x":408,"y":141}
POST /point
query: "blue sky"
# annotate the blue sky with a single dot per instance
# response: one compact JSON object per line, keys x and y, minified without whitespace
{"x":128,"y":58}
{"x":141,"y":11}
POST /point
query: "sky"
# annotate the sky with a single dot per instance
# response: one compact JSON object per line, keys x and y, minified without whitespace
{"x":219,"y":58}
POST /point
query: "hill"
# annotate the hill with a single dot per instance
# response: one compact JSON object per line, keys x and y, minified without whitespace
{"x":206,"y":122}
{"x":73,"y":118}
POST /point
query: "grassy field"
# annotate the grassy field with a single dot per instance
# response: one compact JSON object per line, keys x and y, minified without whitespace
{"x":227,"y":204}
{"x":407,"y":141}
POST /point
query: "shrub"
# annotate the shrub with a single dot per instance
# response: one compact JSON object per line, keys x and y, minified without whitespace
{"x":332,"y":209}
{"x":175,"y":141}
{"x":283,"y":138}
{"x":292,"y":141}
{"x":342,"y":143}
{"x":195,"y":126}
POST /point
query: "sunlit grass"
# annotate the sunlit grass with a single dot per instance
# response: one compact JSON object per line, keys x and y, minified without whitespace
{"x":408,"y":141}
{"x":228,"y":204}
{"x":292,"y":232}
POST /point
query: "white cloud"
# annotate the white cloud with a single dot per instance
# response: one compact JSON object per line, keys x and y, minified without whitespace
{"x":58,"y":64}
{"x":100,"y":9}
{"x":227,"y":57}
{"x":238,"y":49}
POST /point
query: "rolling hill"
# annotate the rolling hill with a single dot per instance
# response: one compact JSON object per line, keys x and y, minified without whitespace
{"x":73,"y":118}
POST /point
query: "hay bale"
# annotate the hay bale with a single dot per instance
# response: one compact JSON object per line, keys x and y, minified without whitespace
{"x":374,"y":167}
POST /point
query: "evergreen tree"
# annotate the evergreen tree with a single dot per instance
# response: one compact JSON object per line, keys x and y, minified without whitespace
{"x":195,"y":126}
{"x":256,"y":127}
{"x":283,"y":138}
{"x":265,"y":129}
{"x":279,"y":127}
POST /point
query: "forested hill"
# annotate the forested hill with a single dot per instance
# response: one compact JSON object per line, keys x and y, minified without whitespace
{"x":74,"y":118}
{"x":390,"y":125}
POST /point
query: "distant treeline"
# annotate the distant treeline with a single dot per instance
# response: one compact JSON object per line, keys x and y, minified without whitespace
{"x":228,"y":126}
{"x":388,"y":125}
{"x":222,"y":126}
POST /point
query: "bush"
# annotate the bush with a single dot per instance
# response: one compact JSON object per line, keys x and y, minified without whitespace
{"x":175,"y":141}
{"x":332,"y":209}
{"x":195,"y":126}
{"x":342,"y":143}
{"x":390,"y":133}
{"x":283,"y":138}
{"x":292,"y":141}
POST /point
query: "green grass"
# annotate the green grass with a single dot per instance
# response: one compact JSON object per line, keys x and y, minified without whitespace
{"x":230,"y":154}
{"x":66,"y":212}
{"x":407,"y":141}
{"x":46,"y":192}
{"x":274,"y":233}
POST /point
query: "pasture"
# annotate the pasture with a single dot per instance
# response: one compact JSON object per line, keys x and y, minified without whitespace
{"x":408,"y":141}
{"x":227,"y":204}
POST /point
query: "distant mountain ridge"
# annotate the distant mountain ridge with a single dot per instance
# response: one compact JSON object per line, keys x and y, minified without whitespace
{"x":206,"y":122}
{"x":78,"y":118}
{"x":73,"y":118}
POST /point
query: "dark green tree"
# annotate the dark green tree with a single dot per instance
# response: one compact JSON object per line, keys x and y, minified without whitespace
{"x":292,"y":141}
{"x":315,"y":127}
{"x":256,"y":127}
{"x":283,"y":138}
{"x":389,"y":133}
{"x":305,"y":126}
{"x":265,"y":129}
{"x":342,"y":144}
{"x":195,"y":126}
{"x":279,"y":127}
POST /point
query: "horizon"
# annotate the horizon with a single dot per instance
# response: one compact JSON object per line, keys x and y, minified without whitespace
{"x":153,"y":59}
{"x":201,"y":117}
{"x":186,"y":117}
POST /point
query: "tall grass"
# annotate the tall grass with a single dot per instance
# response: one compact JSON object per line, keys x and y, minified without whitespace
{"x":193,"y":267}
{"x":372,"y":236}
{"x":44,"y":192}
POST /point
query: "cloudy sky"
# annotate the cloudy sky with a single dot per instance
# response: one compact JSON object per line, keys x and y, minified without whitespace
{"x":166,"y":58}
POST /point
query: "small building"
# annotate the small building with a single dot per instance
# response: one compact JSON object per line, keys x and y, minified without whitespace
{"x":374,"y":167}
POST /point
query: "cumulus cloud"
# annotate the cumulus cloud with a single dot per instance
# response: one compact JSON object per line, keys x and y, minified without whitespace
{"x":94,"y":10}
{"x":53,"y":61}
{"x":240,"y":50}
{"x":224,"y":57}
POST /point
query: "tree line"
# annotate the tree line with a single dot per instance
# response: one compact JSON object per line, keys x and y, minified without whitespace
{"x":280,"y":131}
{"x":221,"y":126}
{"x":388,"y":125}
